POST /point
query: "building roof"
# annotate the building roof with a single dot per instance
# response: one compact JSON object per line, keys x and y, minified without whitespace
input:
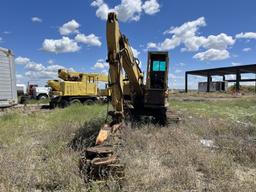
{"x":224,"y":70}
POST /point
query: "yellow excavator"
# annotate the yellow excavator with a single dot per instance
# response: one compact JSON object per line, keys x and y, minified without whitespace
{"x":131,"y":96}
{"x":77,"y":88}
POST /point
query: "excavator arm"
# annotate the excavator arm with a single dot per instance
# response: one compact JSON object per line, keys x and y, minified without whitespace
{"x":120,"y":57}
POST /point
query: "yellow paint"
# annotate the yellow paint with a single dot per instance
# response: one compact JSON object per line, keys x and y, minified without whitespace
{"x":79,"y":84}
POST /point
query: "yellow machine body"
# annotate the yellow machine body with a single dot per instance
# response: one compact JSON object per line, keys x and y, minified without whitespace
{"x":69,"y":88}
{"x":77,"y":87}
{"x":78,"y":84}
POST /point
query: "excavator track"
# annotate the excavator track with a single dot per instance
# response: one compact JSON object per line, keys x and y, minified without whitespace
{"x":101,"y":162}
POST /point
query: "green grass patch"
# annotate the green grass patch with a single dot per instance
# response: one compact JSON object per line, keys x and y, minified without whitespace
{"x":236,"y":110}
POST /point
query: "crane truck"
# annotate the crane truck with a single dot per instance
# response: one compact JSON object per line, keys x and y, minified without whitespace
{"x":77,"y":88}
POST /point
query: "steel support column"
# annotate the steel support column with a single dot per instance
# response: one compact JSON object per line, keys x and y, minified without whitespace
{"x":186,"y":82}
{"x":238,"y":78}
{"x":255,"y":82}
{"x":209,"y":80}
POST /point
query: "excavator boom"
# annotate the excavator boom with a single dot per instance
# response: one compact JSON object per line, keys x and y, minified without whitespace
{"x":120,"y":57}
{"x":149,"y":99}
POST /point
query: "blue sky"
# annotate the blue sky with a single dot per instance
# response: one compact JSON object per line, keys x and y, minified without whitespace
{"x":47,"y":34}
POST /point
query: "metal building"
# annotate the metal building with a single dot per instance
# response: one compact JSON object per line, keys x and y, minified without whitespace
{"x":8,"y":91}
{"x":223,"y":71}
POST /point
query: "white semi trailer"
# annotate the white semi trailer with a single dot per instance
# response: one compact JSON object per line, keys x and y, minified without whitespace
{"x":8,"y":91}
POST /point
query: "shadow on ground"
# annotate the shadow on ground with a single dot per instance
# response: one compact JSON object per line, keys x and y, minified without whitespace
{"x":86,"y":135}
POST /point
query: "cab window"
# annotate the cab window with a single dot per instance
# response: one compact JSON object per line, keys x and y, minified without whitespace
{"x":159,"y":65}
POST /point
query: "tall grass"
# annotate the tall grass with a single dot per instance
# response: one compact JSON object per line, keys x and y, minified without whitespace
{"x":40,"y":150}
{"x":35,"y":152}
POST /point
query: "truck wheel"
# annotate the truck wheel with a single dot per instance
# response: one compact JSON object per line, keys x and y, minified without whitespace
{"x":52,"y":105}
{"x":24,"y":100}
{"x":41,"y":97}
{"x":89,"y":102}
{"x":64,"y":104}
{"x":75,"y":102}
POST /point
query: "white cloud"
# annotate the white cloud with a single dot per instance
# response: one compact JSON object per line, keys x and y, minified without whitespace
{"x":37,"y":71}
{"x":6,"y":32}
{"x":105,"y":72}
{"x":22,"y":60}
{"x":187,"y":29}
{"x":169,"y":44}
{"x":127,"y":10}
{"x":187,"y":34}
{"x":151,"y":45}
{"x":64,"y":45}
{"x":136,"y":53}
{"x":212,"y":55}
{"x":101,"y":64}
{"x":54,"y":68}
{"x":97,"y":3}
{"x":102,"y":9}
{"x":36,"y":20}
{"x":19,"y":76}
{"x":51,"y":62}
{"x":235,"y":64}
{"x":32,"y":66}
{"x":151,"y":7}
{"x":69,"y":27}
{"x":90,"y":40}
{"x":182,"y":64}
{"x":247,"y":35}
{"x":221,"y":42}
{"x":173,"y":76}
{"x":177,"y":71}
{"x":247,"y":49}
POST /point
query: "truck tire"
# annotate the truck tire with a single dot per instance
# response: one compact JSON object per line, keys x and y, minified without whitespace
{"x":89,"y":102}
{"x":64,"y":103}
{"x":75,"y":102}
{"x":24,"y":99}
{"x":52,"y":105}
{"x":42,"y":96}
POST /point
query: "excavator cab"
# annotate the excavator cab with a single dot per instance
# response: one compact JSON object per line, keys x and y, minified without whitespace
{"x":156,"y":91}
{"x":157,"y":70}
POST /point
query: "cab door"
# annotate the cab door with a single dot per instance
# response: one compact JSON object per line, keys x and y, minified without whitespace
{"x":91,"y":86}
